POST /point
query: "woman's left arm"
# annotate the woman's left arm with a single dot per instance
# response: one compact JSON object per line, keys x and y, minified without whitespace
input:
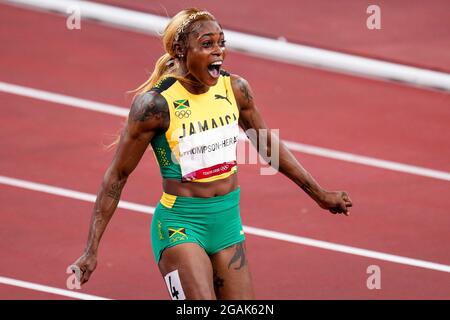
{"x":250,"y":118}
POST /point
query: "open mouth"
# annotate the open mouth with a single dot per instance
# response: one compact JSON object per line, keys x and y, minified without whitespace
{"x":214,"y":69}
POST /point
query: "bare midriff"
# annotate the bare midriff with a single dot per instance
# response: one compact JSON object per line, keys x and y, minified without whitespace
{"x":200,"y":189}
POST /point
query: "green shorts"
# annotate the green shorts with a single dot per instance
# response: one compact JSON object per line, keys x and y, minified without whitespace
{"x":213,"y":223}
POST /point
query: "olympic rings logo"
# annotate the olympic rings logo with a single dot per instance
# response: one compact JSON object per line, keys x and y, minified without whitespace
{"x":183,"y":114}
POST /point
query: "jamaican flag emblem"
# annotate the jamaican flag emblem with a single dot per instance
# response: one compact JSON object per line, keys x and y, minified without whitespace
{"x":181,"y":104}
{"x":182,"y":108}
{"x":177,"y":234}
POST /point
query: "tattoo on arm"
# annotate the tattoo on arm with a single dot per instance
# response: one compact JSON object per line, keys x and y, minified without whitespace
{"x":243,"y":86}
{"x":115,"y":190}
{"x":239,"y":255}
{"x":146,"y":107}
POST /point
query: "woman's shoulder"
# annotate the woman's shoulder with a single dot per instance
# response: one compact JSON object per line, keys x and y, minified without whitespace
{"x":151,"y":111}
{"x":241,"y":89}
{"x":150,"y":100}
{"x":237,"y":81}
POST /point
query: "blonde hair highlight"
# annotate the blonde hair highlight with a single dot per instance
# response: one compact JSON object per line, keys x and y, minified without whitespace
{"x":177,"y":30}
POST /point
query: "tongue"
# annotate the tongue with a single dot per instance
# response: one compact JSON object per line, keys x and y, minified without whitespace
{"x":213,"y":72}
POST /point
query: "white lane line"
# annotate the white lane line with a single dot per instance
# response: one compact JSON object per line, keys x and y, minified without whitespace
{"x":47,"y":289}
{"x":293,"y":146}
{"x":62,"y":99}
{"x":67,"y":193}
{"x":249,"y":230}
{"x":255,"y":45}
{"x":368,"y":161}
{"x":347,"y":249}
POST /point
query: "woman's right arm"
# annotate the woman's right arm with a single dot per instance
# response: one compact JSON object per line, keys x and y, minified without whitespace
{"x":148,"y":115}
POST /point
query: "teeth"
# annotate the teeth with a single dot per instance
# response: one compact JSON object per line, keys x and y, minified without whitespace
{"x":217,"y":63}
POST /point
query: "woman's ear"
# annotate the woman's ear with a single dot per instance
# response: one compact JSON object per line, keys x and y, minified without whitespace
{"x":179,"y":51}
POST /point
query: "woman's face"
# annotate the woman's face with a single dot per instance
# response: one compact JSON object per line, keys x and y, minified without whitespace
{"x":205,"y":52}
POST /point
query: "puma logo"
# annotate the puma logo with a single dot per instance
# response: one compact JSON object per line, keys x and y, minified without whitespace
{"x":218,"y":96}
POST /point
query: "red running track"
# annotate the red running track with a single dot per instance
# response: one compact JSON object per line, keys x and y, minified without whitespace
{"x":53,"y":144}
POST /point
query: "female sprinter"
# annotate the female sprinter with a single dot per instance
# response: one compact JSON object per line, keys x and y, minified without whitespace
{"x":189,"y":111}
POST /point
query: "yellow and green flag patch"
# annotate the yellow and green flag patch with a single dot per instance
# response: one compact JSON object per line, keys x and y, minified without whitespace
{"x":177,"y":234}
{"x":174,"y":232}
{"x":181,"y":104}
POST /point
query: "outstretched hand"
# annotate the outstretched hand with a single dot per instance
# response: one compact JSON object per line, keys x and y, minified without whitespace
{"x":86,"y":264}
{"x":335,"y":202}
